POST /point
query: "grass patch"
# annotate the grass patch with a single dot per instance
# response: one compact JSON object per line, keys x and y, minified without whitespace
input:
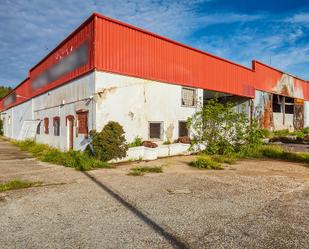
{"x":74,"y":159}
{"x":274,"y":152}
{"x":18,"y":184}
{"x":139,"y":171}
{"x":206,"y":162}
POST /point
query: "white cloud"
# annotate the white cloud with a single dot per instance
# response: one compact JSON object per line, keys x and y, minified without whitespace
{"x":300,"y":18}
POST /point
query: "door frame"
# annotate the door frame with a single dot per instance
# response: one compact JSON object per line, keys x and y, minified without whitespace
{"x":69,"y":120}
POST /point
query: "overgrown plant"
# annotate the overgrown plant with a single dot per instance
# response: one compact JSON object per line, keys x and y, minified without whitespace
{"x":221,"y":129}
{"x":137,"y":142}
{"x":110,"y":143}
{"x":74,"y":159}
{"x":1,"y":127}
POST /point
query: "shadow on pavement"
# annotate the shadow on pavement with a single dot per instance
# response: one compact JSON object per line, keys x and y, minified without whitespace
{"x":177,"y":243}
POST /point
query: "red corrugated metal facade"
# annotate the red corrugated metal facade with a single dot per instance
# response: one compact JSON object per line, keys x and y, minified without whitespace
{"x":273,"y":80}
{"x":126,"y":50}
{"x":116,"y":47}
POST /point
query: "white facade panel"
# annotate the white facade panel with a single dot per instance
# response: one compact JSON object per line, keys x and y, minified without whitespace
{"x":134,"y":102}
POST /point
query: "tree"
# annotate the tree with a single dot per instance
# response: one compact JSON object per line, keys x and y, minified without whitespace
{"x":220,"y":128}
{"x":110,"y":143}
{"x":4,"y":91}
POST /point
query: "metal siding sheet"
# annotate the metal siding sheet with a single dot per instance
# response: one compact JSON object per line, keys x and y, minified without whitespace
{"x":271,"y":80}
{"x":125,"y":50}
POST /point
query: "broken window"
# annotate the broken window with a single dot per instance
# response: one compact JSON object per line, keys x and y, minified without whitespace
{"x":56,"y":124}
{"x":155,"y":130}
{"x":46,"y":125}
{"x":277,"y":103}
{"x":183,"y":129}
{"x":82,"y":119}
{"x":188,"y":96}
{"x":289,"y":105}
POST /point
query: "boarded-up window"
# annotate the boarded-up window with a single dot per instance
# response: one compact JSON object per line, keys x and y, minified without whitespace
{"x":56,"y":124}
{"x":188,"y":96}
{"x":155,"y":130}
{"x":182,"y":129}
{"x":82,"y":119}
{"x":46,"y":125}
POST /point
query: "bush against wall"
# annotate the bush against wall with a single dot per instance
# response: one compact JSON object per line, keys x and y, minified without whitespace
{"x":221,"y":129}
{"x":110,"y":143}
{"x":1,"y":127}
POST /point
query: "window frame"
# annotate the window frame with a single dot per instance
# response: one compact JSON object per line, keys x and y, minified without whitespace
{"x":188,"y":130}
{"x":46,"y":126}
{"x":78,"y":114}
{"x":55,"y":120}
{"x":194,"y":96}
{"x":161,"y":130}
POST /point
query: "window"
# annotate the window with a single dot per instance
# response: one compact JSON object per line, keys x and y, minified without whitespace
{"x":56,"y":124}
{"x":182,"y":129}
{"x":155,"y":130}
{"x":277,"y":102}
{"x":38,"y":128}
{"x":46,"y":125}
{"x":289,"y":105}
{"x":82,"y":119}
{"x":188,"y":97}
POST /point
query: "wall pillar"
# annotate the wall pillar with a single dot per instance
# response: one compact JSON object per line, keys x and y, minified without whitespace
{"x":306,"y":113}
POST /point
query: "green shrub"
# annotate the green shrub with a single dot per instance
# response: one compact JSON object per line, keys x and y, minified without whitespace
{"x":1,"y":127}
{"x":306,"y":130}
{"x":265,"y":133}
{"x":110,"y":143}
{"x":221,"y":129}
{"x":206,"y":162}
{"x":281,"y":133}
{"x":137,"y":142}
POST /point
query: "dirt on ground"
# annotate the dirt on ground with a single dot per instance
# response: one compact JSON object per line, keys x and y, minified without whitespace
{"x":252,"y":204}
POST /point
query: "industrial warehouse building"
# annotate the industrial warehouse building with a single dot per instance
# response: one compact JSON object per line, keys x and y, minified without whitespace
{"x":108,"y":70}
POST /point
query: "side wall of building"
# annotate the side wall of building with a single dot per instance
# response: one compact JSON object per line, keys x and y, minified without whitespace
{"x":63,"y":102}
{"x":134,"y":102}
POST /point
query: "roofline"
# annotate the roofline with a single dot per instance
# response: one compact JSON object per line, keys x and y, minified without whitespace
{"x":167,"y":39}
{"x":89,"y":19}
{"x":278,"y":70}
{"x":13,"y":89}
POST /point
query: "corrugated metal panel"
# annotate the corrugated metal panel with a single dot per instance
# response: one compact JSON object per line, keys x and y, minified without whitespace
{"x":83,"y":35}
{"x":21,"y":92}
{"x":269,"y":79}
{"x":127,"y":50}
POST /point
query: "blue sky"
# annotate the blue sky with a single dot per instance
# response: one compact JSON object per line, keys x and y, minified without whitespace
{"x":236,"y":30}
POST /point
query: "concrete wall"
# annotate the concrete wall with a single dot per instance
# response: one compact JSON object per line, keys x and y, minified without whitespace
{"x":306,"y":114}
{"x":14,"y":118}
{"x":64,"y":101}
{"x":134,"y":102}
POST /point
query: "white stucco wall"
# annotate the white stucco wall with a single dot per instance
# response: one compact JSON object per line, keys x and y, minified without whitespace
{"x":134,"y":102}
{"x":14,"y":118}
{"x":64,"y":101}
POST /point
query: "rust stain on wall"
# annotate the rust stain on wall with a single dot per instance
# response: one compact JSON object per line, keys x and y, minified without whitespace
{"x":103,"y":92}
